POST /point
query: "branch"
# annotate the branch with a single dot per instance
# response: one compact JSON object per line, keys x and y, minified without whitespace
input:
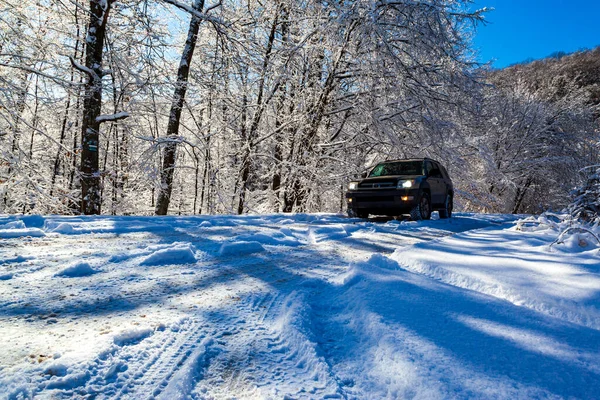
{"x":40,"y":73}
{"x":82,"y":68}
{"x":112,"y":117}
{"x":210,"y":8}
{"x":199,"y":14}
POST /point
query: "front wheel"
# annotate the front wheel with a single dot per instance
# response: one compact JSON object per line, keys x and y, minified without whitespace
{"x":357,"y":214}
{"x":362,"y":214}
{"x":446,"y":212}
{"x":422,"y":210}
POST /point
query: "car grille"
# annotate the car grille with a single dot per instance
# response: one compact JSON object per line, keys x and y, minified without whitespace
{"x":377,"y":185}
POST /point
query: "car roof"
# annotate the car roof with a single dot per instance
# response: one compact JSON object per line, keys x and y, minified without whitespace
{"x":408,"y":159}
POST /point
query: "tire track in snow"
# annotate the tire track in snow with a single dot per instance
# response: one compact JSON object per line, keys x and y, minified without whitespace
{"x":268,"y":347}
{"x":271,"y":355}
{"x":234,"y":372}
{"x":163,"y":356}
{"x":292,"y":342}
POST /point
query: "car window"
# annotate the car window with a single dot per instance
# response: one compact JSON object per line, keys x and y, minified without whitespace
{"x":428,"y":167}
{"x":433,"y":170}
{"x":398,"y":168}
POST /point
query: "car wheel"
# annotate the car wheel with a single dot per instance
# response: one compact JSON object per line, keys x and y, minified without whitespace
{"x":422,"y":210}
{"x":362,"y":214}
{"x":446,"y":212}
{"x":352,"y":213}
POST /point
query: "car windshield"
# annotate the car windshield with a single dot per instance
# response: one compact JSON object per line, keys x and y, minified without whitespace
{"x":398,"y":168}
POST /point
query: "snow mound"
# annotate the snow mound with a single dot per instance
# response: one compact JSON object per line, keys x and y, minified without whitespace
{"x":132,"y":336}
{"x":383,"y":262}
{"x":360,"y":271}
{"x":56,"y":369}
{"x":5,"y":277}
{"x":20,"y":232}
{"x":332,"y":232}
{"x":16,"y":260}
{"x":13,"y":225}
{"x":77,"y":270}
{"x":64,"y":228}
{"x":240,"y":248}
{"x":178,"y":254}
{"x":69,"y":381}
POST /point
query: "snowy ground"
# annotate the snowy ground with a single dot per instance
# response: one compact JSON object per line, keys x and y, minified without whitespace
{"x":302,"y":306}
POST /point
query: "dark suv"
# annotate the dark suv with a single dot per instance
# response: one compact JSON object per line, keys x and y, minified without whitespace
{"x":415,"y":186}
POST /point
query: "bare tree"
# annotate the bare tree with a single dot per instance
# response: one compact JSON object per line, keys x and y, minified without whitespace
{"x":91,"y":199}
{"x":172,"y":139}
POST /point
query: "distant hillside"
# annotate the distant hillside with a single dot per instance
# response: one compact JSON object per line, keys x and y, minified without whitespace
{"x":570,"y":79}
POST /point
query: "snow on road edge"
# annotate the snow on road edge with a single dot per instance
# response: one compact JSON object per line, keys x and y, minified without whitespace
{"x":427,"y":259}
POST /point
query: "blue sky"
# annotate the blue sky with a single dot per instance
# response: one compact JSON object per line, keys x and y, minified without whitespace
{"x":523,"y":29}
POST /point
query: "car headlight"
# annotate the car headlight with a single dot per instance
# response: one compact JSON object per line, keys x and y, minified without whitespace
{"x":406,"y":184}
{"x":353,"y":186}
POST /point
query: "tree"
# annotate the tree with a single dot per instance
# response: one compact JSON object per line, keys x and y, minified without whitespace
{"x":172,"y":139}
{"x":586,"y":199}
{"x":290,"y":101}
{"x":91,"y":199}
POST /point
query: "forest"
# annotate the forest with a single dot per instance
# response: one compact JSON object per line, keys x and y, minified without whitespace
{"x":244,"y":106}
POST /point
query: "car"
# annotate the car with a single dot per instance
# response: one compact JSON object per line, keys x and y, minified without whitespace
{"x":416,"y":186}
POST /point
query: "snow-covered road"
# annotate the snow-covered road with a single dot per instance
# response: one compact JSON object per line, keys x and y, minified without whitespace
{"x":300,"y":306}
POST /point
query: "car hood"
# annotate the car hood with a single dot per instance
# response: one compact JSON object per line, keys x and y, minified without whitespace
{"x":390,"y":178}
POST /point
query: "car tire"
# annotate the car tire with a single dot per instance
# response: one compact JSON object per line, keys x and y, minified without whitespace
{"x":352,"y":213}
{"x":362,"y":214}
{"x":422,"y":210}
{"x":446,"y":212}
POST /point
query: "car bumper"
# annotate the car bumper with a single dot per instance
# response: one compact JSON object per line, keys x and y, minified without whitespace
{"x":383,"y":202}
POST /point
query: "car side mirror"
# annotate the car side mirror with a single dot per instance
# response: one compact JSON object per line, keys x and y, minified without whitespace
{"x":363,"y":175}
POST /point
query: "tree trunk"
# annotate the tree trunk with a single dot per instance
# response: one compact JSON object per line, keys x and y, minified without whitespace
{"x":205,"y":175}
{"x":520,"y":195}
{"x":196,"y":175}
{"x":278,"y":151}
{"x":169,"y":154}
{"x":92,"y":106}
{"x":124,"y":163}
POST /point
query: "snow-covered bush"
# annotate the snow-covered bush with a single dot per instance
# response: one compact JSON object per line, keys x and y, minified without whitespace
{"x":572,"y":235}
{"x":586,"y":199}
